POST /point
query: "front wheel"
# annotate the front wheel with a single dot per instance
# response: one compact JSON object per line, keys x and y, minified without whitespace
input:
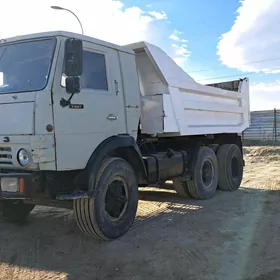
{"x":15,"y":211}
{"x":111,"y":211}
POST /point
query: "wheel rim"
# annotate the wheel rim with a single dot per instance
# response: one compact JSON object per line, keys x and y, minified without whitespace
{"x":234,"y":167}
{"x":207,"y":173}
{"x":116,"y":198}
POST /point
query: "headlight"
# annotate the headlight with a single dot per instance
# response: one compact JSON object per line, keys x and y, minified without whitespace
{"x":23,"y":157}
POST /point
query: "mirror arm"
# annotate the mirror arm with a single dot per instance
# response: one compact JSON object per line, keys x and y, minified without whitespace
{"x":64,"y":103}
{"x":67,"y":102}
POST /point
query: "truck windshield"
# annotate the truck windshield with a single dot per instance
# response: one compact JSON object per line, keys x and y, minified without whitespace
{"x":25,"y":66}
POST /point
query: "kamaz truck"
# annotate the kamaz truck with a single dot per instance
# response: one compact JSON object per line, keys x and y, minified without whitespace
{"x":84,"y":123}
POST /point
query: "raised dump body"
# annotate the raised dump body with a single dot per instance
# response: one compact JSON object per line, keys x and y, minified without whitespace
{"x":174,"y":104}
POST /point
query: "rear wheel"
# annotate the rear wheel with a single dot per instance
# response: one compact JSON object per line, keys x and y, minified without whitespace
{"x":230,"y":162}
{"x":15,"y":211}
{"x":205,"y":175}
{"x":111,"y":211}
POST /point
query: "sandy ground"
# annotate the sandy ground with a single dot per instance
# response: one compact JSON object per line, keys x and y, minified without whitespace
{"x":233,"y":236}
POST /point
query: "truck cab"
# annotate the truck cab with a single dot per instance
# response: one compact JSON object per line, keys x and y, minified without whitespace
{"x":33,"y":87}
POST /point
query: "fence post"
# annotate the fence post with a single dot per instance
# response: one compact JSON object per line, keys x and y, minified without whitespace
{"x":275,"y":122}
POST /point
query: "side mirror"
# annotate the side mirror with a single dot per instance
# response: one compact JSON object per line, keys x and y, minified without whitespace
{"x":73,"y":85}
{"x":73,"y":59}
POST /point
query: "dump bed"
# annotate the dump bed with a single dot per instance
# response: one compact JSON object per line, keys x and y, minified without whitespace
{"x":172,"y":103}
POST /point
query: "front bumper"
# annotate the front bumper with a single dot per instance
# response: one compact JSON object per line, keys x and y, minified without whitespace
{"x":29,"y":185}
{"x":37,"y":186}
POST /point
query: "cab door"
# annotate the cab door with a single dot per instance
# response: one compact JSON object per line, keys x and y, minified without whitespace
{"x":96,"y":113}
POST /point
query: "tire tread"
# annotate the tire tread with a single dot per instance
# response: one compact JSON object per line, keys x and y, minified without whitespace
{"x":222,"y":155}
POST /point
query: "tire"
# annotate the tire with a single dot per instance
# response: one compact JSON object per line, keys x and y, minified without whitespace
{"x":201,"y":187}
{"x":15,"y":211}
{"x":101,"y":217}
{"x":230,"y":163}
{"x":181,"y":188}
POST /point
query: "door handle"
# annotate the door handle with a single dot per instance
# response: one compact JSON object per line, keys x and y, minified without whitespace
{"x":117,"y":87}
{"x":112,"y":117}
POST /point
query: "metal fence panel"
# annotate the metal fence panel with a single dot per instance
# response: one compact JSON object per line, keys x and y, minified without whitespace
{"x":265,"y":126}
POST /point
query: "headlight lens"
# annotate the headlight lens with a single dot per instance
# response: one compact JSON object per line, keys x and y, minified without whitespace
{"x":23,"y":157}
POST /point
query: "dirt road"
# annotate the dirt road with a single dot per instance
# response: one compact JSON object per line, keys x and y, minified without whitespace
{"x":233,"y":236}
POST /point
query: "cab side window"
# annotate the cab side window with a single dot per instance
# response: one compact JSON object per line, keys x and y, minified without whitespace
{"x":95,"y":74}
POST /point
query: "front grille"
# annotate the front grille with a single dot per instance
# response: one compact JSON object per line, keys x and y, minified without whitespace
{"x":6,"y":158}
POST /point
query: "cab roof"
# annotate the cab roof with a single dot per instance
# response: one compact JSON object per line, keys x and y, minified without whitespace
{"x":68,"y":35}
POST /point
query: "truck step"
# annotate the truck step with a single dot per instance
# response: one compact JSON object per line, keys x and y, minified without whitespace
{"x":72,"y":196}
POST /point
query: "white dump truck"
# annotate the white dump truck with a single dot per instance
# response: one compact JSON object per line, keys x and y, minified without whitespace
{"x":84,"y":123}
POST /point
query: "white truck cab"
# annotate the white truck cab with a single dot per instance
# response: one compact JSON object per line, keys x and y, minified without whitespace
{"x":33,"y":85}
{"x":84,"y":122}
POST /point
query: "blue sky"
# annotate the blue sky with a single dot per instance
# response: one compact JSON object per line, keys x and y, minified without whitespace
{"x":226,"y":36}
{"x":201,"y":22}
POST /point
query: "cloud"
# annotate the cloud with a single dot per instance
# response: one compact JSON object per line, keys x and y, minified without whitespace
{"x":181,"y":52}
{"x":108,"y":20}
{"x":158,"y":15}
{"x":175,"y":36}
{"x":264,"y":96}
{"x":254,"y":37}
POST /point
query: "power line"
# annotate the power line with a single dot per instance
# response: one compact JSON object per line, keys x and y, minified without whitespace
{"x":222,"y":67}
{"x":221,"y":77}
{"x":238,"y":75}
